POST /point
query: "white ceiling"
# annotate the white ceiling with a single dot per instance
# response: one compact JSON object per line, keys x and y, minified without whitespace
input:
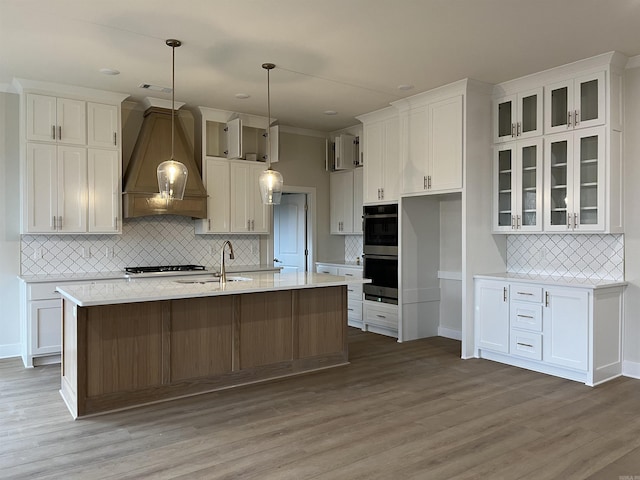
{"x":343,"y":55}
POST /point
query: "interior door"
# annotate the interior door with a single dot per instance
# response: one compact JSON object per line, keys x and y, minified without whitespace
{"x":289,"y":233}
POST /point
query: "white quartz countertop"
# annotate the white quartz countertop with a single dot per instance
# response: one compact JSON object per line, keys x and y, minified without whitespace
{"x":121,"y":274}
{"x":149,"y":290}
{"x":552,"y":280}
{"x":341,"y":264}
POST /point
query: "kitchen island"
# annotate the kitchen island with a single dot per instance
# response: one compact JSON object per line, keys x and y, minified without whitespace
{"x":132,"y":343}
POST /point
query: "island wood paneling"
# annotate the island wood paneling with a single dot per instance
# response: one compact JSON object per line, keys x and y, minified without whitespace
{"x":201,"y":337}
{"x":124,"y":347}
{"x":266,"y":328}
{"x":121,"y":356}
{"x":322,"y":323}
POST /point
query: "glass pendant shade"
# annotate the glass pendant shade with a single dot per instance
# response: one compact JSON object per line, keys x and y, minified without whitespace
{"x":270,"y":182}
{"x":172,"y":180}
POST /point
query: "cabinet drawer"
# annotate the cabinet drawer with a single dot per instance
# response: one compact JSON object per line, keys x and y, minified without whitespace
{"x":526,"y":293}
{"x":354,"y":292}
{"x":526,"y":344}
{"x":526,"y":316}
{"x":330,"y":269}
{"x":42,"y":291}
{"x":380,"y":316}
{"x":350,"y":272}
{"x":354,"y":311}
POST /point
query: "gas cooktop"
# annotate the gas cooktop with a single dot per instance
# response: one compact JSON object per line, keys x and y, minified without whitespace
{"x":164,"y":269}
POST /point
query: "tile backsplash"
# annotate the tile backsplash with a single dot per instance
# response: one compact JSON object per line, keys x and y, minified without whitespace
{"x":353,"y":246}
{"x":166,"y":240}
{"x":597,"y":257}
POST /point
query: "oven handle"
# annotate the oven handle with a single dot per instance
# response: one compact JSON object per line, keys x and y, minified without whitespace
{"x":381,"y":215}
{"x":380,"y":257}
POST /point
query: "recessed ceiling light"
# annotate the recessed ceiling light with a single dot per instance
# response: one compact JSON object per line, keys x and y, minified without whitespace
{"x":405,"y":87}
{"x":109,"y":71}
{"x":330,"y":112}
{"x":242,"y":96}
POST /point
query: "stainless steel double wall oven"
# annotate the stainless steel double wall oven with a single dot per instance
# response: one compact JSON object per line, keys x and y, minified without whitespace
{"x":380,"y":228}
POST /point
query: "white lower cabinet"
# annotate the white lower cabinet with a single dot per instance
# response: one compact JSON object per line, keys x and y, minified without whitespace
{"x":354,"y":292}
{"x":380,"y":318}
{"x":568,"y":331}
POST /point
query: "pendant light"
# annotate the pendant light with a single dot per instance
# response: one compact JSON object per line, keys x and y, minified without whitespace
{"x":172,"y":175}
{"x":270,"y":181}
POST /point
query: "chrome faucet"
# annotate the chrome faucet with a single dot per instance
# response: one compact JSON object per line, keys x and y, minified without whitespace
{"x":223,"y":273}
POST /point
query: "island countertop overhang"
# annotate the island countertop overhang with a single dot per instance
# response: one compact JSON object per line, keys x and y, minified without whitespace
{"x":148,"y":290}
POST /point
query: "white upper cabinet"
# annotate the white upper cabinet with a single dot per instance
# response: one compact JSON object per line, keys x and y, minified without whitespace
{"x":432,"y":141}
{"x":345,"y":150}
{"x":341,"y":202}
{"x":517,"y":177}
{"x":517,"y":116}
{"x":574,"y":192}
{"x":103,"y":180}
{"x":248,"y":214}
{"x":575,"y":103}
{"x":52,"y":119}
{"x":102,"y":125}
{"x":358,"y":180}
{"x":216,"y":178}
{"x":381,"y":151}
{"x":234,"y":139}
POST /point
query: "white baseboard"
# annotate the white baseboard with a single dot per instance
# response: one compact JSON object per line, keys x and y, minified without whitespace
{"x":450,"y":333}
{"x":631,"y":369}
{"x":10,"y":350}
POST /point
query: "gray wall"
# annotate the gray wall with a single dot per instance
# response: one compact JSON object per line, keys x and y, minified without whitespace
{"x":9,"y":226}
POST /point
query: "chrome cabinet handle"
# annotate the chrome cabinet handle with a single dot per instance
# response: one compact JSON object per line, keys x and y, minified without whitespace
{"x":568,"y":119}
{"x":518,"y":129}
{"x":59,"y":132}
{"x":248,"y":225}
{"x":504,"y":294}
{"x":381,"y":316}
{"x":525,"y":345}
{"x":115,"y":138}
{"x":60,"y":222}
{"x":525,"y":316}
{"x":424,"y":182}
{"x":429,"y":182}
{"x":525,"y":293}
{"x":513,"y":130}
{"x":209,"y":220}
{"x":513,"y":222}
{"x":53,"y":132}
{"x":518,"y":221}
{"x":576,"y":117}
{"x":575,"y":220}
{"x":53,"y":223}
{"x":568,"y":220}
{"x":546,"y":299}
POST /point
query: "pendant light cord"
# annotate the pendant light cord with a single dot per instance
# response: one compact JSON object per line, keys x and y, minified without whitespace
{"x":173,"y":94}
{"x":269,"y":120}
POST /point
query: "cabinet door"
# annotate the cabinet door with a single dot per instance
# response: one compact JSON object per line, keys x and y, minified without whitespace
{"x":566,"y":328}
{"x":357,"y":200}
{"x":504,"y":178}
{"x":504,"y":115}
{"x":416,"y":168}
{"x":72,"y":189}
{"x":260,"y":213}
{"x":558,"y":109}
{"x":391,"y":161}
{"x":345,"y":152}
{"x":558,"y":187}
{"x":102,"y":125}
{"x":373,"y":144}
{"x":274,"y":136}
{"x":41,"y":118}
{"x":529,"y":186}
{"x":72,"y":124}
{"x":589,"y":101}
{"x":41,"y":189}
{"x":341,"y":202}
{"x":234,"y":139}
{"x":45,"y":318}
{"x":216,"y":177}
{"x":492,"y":315}
{"x":445,"y":144}
{"x":588,"y":180}
{"x":103,"y":180}
{"x":529,"y":116}
{"x":241,"y":198}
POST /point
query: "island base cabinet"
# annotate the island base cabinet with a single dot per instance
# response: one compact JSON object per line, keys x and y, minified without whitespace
{"x":121,"y":356}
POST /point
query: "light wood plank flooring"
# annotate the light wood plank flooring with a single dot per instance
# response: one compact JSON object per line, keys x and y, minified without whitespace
{"x":399,"y":411}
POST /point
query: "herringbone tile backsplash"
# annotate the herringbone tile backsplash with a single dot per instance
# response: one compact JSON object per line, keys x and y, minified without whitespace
{"x":168,"y":240}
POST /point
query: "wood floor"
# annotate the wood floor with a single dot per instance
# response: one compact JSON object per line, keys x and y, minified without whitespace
{"x":399,"y":411}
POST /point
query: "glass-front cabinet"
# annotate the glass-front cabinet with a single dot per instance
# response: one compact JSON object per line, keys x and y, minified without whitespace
{"x":575,"y":103}
{"x":574,"y":181}
{"x":518,"y":187}
{"x":518,"y":116}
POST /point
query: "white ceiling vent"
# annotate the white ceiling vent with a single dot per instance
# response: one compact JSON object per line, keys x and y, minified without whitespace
{"x":155,"y":88}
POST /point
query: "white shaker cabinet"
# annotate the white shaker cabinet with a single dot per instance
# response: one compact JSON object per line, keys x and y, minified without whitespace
{"x":55,"y":120}
{"x":341,"y":202}
{"x":102,"y":125}
{"x":517,"y":116}
{"x":104,"y":191}
{"x":216,"y":178}
{"x":575,"y":103}
{"x":56,"y":189}
{"x":248,"y":214}
{"x":381,"y":152}
{"x":518,"y":187}
{"x":571,"y":330}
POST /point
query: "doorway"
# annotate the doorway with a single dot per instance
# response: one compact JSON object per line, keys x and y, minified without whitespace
{"x":293,"y":231}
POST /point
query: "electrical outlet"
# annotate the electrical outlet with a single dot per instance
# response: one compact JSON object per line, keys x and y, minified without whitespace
{"x":108,"y":252}
{"x":85,"y":252}
{"x":38,"y":253}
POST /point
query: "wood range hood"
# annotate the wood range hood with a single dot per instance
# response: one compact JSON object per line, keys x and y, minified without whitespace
{"x":153,"y":146}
